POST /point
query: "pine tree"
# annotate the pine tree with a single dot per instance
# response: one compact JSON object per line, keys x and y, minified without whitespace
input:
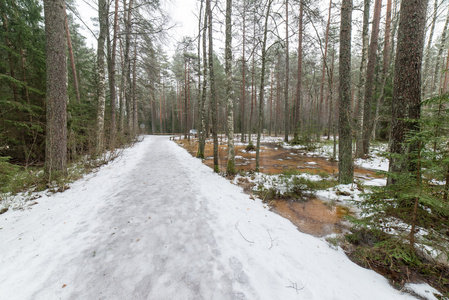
{"x":345,"y":163}
{"x":56,"y":99}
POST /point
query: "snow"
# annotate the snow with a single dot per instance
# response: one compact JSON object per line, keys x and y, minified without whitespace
{"x":423,"y":290}
{"x":158,"y":224}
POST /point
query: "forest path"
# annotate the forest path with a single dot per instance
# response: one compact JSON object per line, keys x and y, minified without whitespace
{"x":158,"y":224}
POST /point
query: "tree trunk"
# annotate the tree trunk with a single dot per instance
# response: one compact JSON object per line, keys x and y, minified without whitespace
{"x":122,"y":93}
{"x":10,"y":58}
{"x":202,"y":133}
{"x":127,"y":70}
{"x":385,"y":68}
{"x":186,"y":84}
{"x":212,"y":88}
{"x":242,"y":107}
{"x":200,"y":96}
{"x":323,"y":72}
{"x":102,"y":17}
{"x":230,"y":167}
{"x":271,"y":102}
{"x":72,"y":59}
{"x":426,"y":76}
{"x":345,"y":164}
{"x":153,"y":108}
{"x":250,"y":125}
{"x":370,"y":72}
{"x":287,"y":73}
{"x":134,"y":93}
{"x":262,"y":84}
{"x":56,"y":94}
{"x":440,"y":53}
{"x":407,"y":81}
{"x":298,"y":82}
{"x":361,"y":85}
{"x":112,"y":71}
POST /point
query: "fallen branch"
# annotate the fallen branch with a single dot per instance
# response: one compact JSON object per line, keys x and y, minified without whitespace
{"x":236,"y":227}
{"x":295,"y":286}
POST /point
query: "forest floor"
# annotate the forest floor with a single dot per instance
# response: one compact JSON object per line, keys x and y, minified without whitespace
{"x":157,"y":223}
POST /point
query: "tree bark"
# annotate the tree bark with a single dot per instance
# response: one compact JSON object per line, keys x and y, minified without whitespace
{"x":72,"y":59}
{"x":440,"y":53}
{"x":112,"y":71}
{"x":200,"y":96}
{"x":212,"y":88}
{"x":230,"y":167}
{"x":385,"y":68}
{"x":101,"y":88}
{"x":323,"y":72}
{"x":407,"y":82}
{"x":345,"y":164}
{"x":262,"y":84}
{"x":287,"y":73}
{"x":127,"y":62}
{"x":362,"y":77}
{"x":370,"y":72}
{"x":242,"y":107}
{"x":134,"y":92}
{"x":298,"y":82}
{"x":427,"y":55}
{"x":56,"y":96}
{"x":202,"y":133}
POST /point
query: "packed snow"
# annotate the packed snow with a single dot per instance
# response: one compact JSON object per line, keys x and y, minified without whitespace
{"x":156,"y":223}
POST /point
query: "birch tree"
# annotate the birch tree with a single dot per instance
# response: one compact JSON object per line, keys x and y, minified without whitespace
{"x":362,"y":77}
{"x":287,"y":71}
{"x":101,"y":89}
{"x":212,"y":87}
{"x":112,"y":72}
{"x":230,"y":167}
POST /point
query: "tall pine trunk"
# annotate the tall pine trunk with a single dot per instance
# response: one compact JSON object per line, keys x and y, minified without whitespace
{"x":407,"y":83}
{"x":56,"y":93}
{"x":345,"y":164}
{"x":370,"y":73}
{"x":385,"y":68}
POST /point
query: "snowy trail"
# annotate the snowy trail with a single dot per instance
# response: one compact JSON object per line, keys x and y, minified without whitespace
{"x":158,"y":224}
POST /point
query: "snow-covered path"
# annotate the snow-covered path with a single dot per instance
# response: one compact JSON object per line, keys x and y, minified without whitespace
{"x":158,"y":224}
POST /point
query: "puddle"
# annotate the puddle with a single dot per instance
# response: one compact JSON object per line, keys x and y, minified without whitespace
{"x":273,"y":160}
{"x":313,"y":217}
